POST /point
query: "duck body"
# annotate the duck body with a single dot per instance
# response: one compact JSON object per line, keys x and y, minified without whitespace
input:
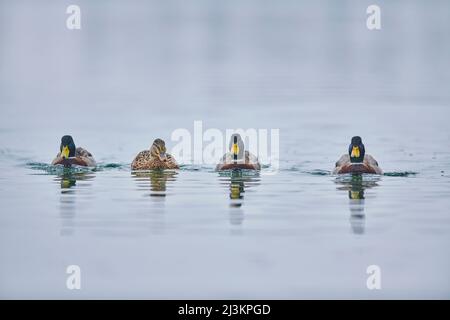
{"x":82,"y":158}
{"x":357,"y":161}
{"x":70,"y":155}
{"x":227,"y":162}
{"x":145,"y":161}
{"x":155,"y":158}
{"x":238,"y":157}
{"x":369,"y":165}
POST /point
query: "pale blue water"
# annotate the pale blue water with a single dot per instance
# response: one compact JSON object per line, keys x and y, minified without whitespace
{"x":139,"y":71}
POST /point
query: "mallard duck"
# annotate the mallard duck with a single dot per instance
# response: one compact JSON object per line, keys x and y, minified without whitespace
{"x":69,"y":155}
{"x":238,"y":157}
{"x":357,"y":161}
{"x":155,"y":158}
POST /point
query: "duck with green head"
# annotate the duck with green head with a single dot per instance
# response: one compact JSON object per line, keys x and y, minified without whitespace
{"x":357,"y":161}
{"x":238,"y":157}
{"x":70,"y":155}
{"x":155,"y":158}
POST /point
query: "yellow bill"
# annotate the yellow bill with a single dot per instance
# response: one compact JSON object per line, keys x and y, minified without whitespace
{"x":235,"y":149}
{"x":65,"y":152}
{"x":355,"y":152}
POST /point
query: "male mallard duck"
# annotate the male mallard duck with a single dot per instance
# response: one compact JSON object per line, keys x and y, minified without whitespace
{"x":357,"y":161}
{"x":155,"y":158}
{"x":238,"y":157}
{"x":69,"y":155}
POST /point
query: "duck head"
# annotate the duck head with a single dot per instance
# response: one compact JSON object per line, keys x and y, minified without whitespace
{"x":67,"y":147}
{"x":356,"y":150}
{"x":158,"y":149}
{"x":237,"y":147}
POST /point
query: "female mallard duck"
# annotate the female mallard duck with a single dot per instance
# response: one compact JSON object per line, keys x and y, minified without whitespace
{"x":69,"y":155}
{"x":238,"y":157}
{"x":155,"y":158}
{"x":357,"y":161}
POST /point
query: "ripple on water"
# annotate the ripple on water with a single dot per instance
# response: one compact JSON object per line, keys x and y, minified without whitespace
{"x":357,"y":178}
{"x":58,"y":169}
{"x":238,"y":173}
{"x":193,"y":167}
{"x":319,"y":172}
{"x":400,"y":174}
{"x":112,"y":166}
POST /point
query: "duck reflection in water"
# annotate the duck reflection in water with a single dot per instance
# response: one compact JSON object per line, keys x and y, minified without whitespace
{"x":155,"y":184}
{"x":237,"y":181}
{"x":68,"y":180}
{"x":356,"y":185}
{"x":155,"y":180}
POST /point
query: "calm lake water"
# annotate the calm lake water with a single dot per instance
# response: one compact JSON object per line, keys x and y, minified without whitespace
{"x":139,"y":71}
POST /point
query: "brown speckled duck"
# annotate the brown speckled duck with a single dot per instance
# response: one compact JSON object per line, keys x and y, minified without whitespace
{"x":155,"y":158}
{"x":357,"y":161}
{"x":238,"y":157}
{"x":70,"y":155}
